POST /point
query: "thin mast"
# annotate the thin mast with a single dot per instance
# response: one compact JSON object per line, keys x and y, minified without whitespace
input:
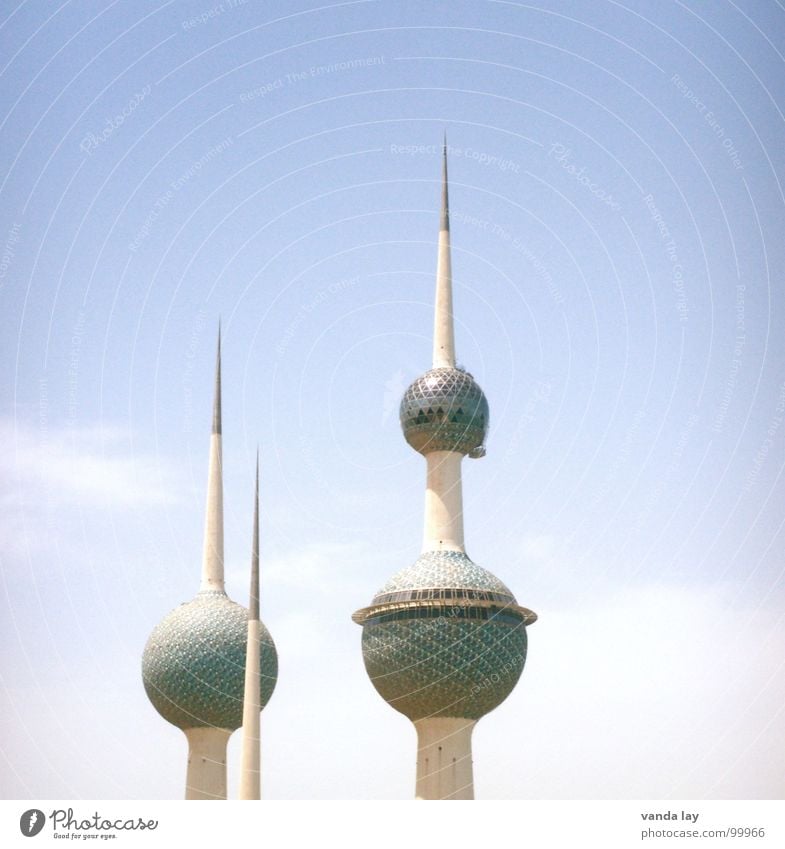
{"x":213,"y":558}
{"x":250,"y":775}
{"x":443,"y":333}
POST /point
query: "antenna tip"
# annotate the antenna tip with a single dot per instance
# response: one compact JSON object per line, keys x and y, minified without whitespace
{"x":444,"y":223}
{"x":217,"y":397}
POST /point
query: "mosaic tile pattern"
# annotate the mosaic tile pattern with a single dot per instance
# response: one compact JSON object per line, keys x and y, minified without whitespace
{"x":193,"y":665}
{"x":445,"y":410}
{"x":444,"y":569}
{"x":444,"y":666}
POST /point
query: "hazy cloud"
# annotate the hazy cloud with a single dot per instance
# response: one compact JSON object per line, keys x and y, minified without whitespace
{"x":93,"y":466}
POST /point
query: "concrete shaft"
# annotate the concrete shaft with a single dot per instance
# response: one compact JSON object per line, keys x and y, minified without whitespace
{"x":443,"y":333}
{"x":206,"y":776}
{"x":444,"y":758}
{"x":443,"y":502}
{"x":250,"y":762}
{"x":213,"y":559}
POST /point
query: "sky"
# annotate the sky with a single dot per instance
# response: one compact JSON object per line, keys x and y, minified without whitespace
{"x":616,"y":192}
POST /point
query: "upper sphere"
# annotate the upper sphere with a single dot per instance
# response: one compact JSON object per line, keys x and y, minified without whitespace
{"x":445,"y":410}
{"x":193,"y":665}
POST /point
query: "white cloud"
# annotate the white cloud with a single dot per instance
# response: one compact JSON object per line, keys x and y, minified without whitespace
{"x":660,"y":691}
{"x":94,"y":467}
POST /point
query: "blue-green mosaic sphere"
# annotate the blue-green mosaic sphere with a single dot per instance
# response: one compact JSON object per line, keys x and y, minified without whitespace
{"x":435,"y":654}
{"x":444,"y":667}
{"x":193,"y":666}
{"x":445,"y":410}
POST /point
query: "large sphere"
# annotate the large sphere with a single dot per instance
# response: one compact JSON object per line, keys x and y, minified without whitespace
{"x":444,"y":638}
{"x":193,"y":665}
{"x":445,"y":410}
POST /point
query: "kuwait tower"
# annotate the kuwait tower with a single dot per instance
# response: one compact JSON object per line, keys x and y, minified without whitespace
{"x":194,"y":664}
{"x":444,"y":640}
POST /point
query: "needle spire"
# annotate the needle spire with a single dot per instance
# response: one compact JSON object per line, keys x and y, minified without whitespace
{"x":213,"y":558}
{"x":443,"y":332}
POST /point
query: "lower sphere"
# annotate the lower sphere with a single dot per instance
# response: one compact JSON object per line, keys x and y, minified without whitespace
{"x":444,"y":665}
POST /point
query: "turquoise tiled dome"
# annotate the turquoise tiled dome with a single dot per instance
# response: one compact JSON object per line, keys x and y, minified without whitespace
{"x":444,"y":569}
{"x":442,"y":664}
{"x":193,"y":665}
{"x":444,"y":637}
{"x":445,"y":410}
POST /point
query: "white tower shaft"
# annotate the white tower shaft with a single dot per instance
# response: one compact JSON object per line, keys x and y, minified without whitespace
{"x":444,"y":489}
{"x":444,"y":749}
{"x":250,"y":764}
{"x":444,"y":758}
{"x":443,"y":502}
{"x":206,"y":776}
{"x":213,"y":558}
{"x":250,"y":759}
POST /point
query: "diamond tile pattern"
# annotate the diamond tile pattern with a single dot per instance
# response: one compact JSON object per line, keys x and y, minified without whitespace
{"x":449,"y":569}
{"x":445,"y":410}
{"x":444,"y":666}
{"x":193,"y":665}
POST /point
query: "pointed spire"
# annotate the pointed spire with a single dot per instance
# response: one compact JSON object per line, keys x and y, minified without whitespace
{"x":213,"y":558}
{"x":253,"y":604}
{"x":444,"y":223}
{"x":443,"y":333}
{"x":217,"y":396}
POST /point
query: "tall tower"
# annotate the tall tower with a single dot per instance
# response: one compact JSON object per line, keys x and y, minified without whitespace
{"x":250,"y":765}
{"x":444,"y":641}
{"x":193,"y":666}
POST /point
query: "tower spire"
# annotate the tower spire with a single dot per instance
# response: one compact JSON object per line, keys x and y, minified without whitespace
{"x":217,"y":394}
{"x":443,"y":333}
{"x":250,"y":767}
{"x":213,"y":558}
{"x":444,"y":221}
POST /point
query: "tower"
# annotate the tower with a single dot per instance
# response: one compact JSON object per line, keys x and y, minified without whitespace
{"x":193,"y":666}
{"x":444,"y":641}
{"x":250,"y":765}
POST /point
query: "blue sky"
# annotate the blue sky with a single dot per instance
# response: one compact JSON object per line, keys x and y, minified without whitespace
{"x":617,"y":218}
